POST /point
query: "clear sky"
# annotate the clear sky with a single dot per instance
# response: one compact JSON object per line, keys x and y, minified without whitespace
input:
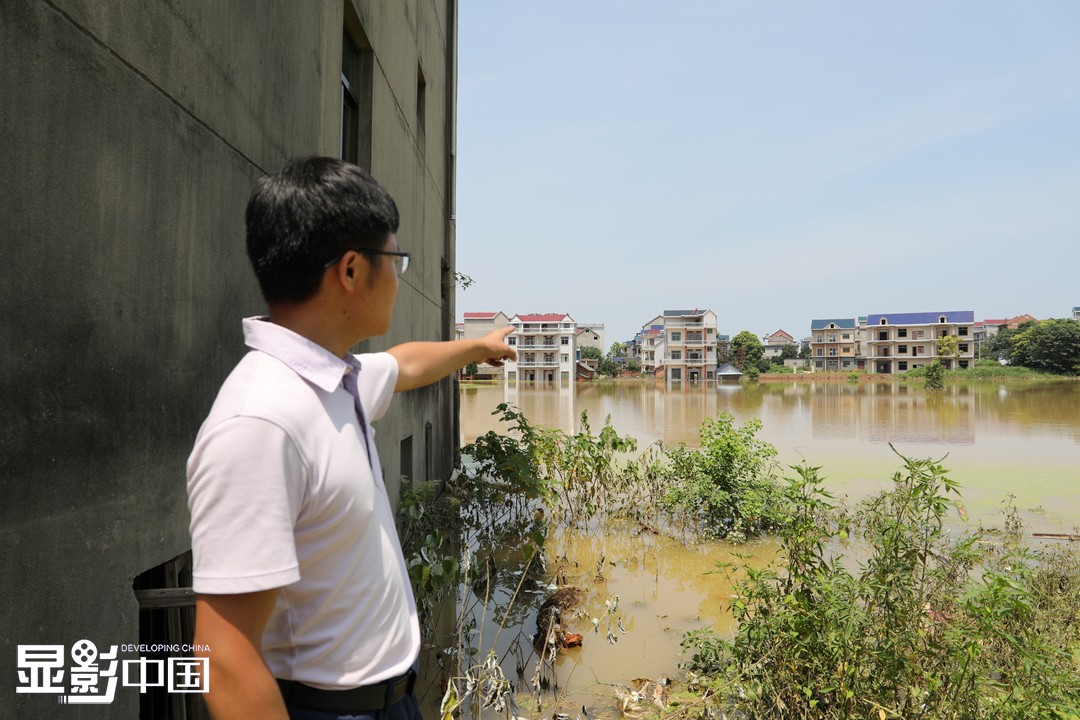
{"x":774,"y":161}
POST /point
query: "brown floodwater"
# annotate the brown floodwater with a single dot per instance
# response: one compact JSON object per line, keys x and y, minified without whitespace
{"x":1018,"y":439}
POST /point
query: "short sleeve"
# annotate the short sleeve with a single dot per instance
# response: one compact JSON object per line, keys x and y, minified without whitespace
{"x":378,"y":376}
{"x":245,"y":487}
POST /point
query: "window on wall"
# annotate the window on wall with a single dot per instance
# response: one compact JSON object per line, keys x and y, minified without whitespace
{"x":676,"y":354}
{"x":565,"y":357}
{"x":511,"y":340}
{"x":901,"y":365}
{"x":832,"y":337}
{"x":846,"y":336}
{"x":902,"y":349}
{"x":963,"y":347}
{"x":167,"y":617}
{"x":963,"y":331}
{"x":820,"y":352}
{"x":832,"y":352}
{"x":429,"y":452}
{"x":405,"y":469}
{"x":901,"y":332}
{"x":564,"y":340}
{"x":819,"y":337}
{"x":357,"y":62}
{"x":883,"y":335}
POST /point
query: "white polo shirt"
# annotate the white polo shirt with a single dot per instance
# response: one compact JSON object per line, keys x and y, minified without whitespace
{"x":283,"y":494}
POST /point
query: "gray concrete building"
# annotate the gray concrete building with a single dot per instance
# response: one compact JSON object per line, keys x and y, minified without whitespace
{"x":131,"y":136}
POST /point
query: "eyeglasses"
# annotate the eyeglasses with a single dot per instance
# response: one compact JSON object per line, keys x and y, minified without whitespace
{"x":401,"y":259}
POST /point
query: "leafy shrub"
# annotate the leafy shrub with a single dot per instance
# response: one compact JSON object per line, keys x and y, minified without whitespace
{"x":906,"y":634}
{"x":935,"y":375}
{"x":728,"y":488}
{"x":779,"y":368}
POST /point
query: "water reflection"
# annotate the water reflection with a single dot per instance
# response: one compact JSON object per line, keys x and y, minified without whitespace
{"x":1020,"y":439}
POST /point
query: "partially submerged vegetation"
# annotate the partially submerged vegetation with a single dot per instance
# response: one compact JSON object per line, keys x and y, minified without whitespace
{"x":925,"y":625}
{"x":921,"y":625}
{"x":984,"y":370}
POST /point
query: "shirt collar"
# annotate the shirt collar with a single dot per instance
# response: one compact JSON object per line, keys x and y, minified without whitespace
{"x":309,"y":360}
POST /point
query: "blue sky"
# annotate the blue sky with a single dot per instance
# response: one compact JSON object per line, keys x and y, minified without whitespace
{"x":774,"y":161}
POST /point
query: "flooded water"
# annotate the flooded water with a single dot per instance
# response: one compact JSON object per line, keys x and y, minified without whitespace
{"x":998,"y":440}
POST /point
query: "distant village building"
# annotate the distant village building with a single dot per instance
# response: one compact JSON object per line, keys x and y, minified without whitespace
{"x":774,"y":344}
{"x":590,"y":333}
{"x":905,"y":341}
{"x":680,"y":345}
{"x":589,"y":336}
{"x":994,"y":326}
{"x":1076,"y":313}
{"x":545,"y":345}
{"x":479,"y":324}
{"x":833,"y":344}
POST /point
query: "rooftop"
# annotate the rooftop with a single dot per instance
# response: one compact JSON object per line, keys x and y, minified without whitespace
{"x":924,"y":318}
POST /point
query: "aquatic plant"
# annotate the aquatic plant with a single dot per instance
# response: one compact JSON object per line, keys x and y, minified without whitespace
{"x":908,"y":633}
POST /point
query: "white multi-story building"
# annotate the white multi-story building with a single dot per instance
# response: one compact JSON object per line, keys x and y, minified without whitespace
{"x":545,"y":348}
{"x":905,"y":341}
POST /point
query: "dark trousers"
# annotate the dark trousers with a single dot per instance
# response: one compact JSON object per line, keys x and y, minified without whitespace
{"x":404,"y":709}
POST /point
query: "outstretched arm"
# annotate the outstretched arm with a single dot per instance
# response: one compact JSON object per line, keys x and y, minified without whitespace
{"x":422,"y":363}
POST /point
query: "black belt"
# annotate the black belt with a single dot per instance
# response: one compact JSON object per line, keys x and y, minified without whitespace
{"x":367,"y":698}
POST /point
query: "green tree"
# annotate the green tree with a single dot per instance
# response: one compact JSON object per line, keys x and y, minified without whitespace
{"x":948,"y":348}
{"x":804,"y":349}
{"x":788,"y":352}
{"x":633,"y":365}
{"x":746,"y":351}
{"x":1048,"y":345}
{"x":617,"y":350}
{"x":935,"y":375}
{"x":589,"y":352}
{"x":471,"y":369}
{"x":607,"y":367}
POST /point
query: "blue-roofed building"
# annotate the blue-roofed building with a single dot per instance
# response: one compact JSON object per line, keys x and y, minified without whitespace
{"x":834,"y":344}
{"x":1076,"y":313}
{"x":905,"y":341}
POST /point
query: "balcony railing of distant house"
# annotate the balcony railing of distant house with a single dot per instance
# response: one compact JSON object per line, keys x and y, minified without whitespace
{"x":538,"y":363}
{"x":544,"y":329}
{"x":669,"y":323}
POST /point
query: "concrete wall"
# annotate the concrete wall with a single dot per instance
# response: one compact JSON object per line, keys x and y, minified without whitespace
{"x":131,"y":135}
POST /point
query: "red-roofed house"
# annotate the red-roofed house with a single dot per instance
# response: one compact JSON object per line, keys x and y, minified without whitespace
{"x":545,"y":347}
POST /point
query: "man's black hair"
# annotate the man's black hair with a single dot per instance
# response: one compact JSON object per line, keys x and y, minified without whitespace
{"x":311,"y":212}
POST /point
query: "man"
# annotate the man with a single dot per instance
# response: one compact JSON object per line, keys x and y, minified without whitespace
{"x":302,"y":595}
